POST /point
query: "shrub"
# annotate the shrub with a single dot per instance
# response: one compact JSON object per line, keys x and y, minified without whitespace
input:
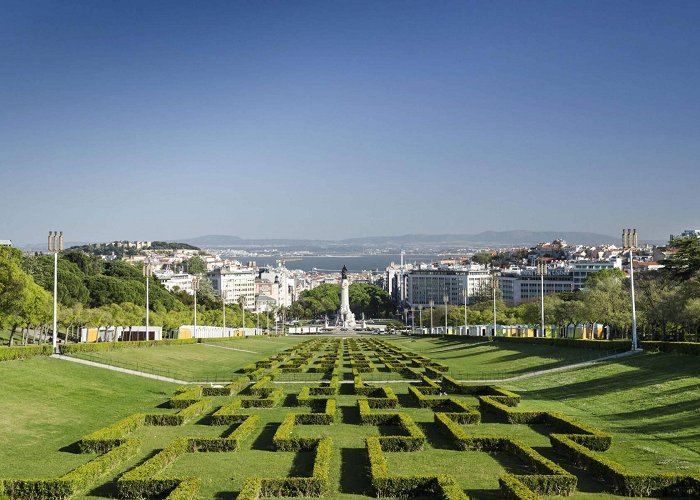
{"x":186,"y":397}
{"x":109,"y":346}
{"x":229,"y":390}
{"x":25,"y":352}
{"x":107,"y":438}
{"x":230,"y":443}
{"x":227,"y":414}
{"x":691,"y":348}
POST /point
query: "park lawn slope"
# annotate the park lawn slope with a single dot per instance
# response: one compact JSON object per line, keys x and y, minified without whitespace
{"x":649,"y":402}
{"x":47,"y":404}
{"x":478,"y":358}
{"x":210,"y":360}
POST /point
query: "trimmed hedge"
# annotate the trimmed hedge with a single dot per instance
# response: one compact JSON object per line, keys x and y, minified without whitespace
{"x":273,"y":399}
{"x":75,"y":480}
{"x":619,"y":479}
{"x":109,"y":346}
{"x":142,"y":481}
{"x":227,"y":414}
{"x":232,"y":442}
{"x":25,"y":352}
{"x":185,"y":397}
{"x":691,"y":348}
{"x":384,"y":485}
{"x":179,"y":418}
{"x":315,"y":486}
{"x":107,"y":438}
{"x":596,"y":345}
{"x":229,"y":390}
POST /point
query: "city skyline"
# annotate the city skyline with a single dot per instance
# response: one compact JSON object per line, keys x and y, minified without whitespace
{"x":325,"y":120}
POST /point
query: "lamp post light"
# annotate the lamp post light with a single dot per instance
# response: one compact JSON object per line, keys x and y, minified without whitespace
{"x":634,"y":308}
{"x":445,"y":299}
{"x":55,"y":246}
{"x":223,"y":313}
{"x":195,"y":287}
{"x":420,"y":318}
{"x":542,"y":270}
{"x":494,"y":285}
{"x":413,"y":321}
{"x":147,"y":269}
{"x":432,"y":303}
{"x":466,"y":301}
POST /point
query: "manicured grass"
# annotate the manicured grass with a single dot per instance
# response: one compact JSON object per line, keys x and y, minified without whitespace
{"x":48,"y":404}
{"x":211,"y":360}
{"x":477,"y":358}
{"x":649,"y":403}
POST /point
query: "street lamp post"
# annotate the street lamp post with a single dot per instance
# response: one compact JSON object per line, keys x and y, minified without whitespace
{"x":634,"y":308}
{"x":195,"y":287}
{"x":55,"y":246}
{"x":542,"y":269}
{"x":413,"y":321}
{"x":432,"y":303}
{"x":223,"y":313}
{"x":494,"y":285}
{"x":466,"y":300}
{"x":147,"y":274}
{"x":445,"y":299}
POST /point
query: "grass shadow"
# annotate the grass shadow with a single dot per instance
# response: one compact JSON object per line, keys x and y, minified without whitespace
{"x":477,"y":494}
{"x":302,"y":465}
{"x":264,"y":440}
{"x":354,"y":472}
{"x":435,"y":437}
{"x":350,"y":415}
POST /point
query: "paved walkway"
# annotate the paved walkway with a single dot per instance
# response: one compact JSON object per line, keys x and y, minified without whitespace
{"x":129,"y":372}
{"x":553,"y":370}
{"x":226,"y":347}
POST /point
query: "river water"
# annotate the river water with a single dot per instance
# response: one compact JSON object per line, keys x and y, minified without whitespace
{"x":354,"y":263}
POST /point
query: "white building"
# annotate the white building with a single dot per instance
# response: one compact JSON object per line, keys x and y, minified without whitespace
{"x":181,"y":281}
{"x":5,"y":243}
{"x":519,"y":287}
{"x":232,"y":284}
{"x":424,"y":285}
{"x":583,"y":268}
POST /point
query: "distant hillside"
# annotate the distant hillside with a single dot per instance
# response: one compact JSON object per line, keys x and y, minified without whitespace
{"x":486,"y":238}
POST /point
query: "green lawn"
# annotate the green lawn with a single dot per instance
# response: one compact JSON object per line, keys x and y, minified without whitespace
{"x":47,"y":404}
{"x":211,"y":360}
{"x":481,"y":359}
{"x":650,"y":403}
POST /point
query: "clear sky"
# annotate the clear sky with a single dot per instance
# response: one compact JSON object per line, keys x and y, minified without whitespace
{"x":330,"y":119}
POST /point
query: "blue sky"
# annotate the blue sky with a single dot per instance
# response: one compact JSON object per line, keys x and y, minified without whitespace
{"x":148,"y":120}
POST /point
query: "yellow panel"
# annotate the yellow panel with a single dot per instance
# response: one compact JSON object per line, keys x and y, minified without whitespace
{"x":92,"y":335}
{"x":184,"y":333}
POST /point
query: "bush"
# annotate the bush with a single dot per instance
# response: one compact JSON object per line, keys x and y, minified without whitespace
{"x":619,"y":479}
{"x":109,"y":346}
{"x":229,"y":390}
{"x":226,"y":415}
{"x":597,"y":345}
{"x":179,"y":418}
{"x":186,"y":397}
{"x":691,"y":348}
{"x":107,"y":438}
{"x":141,"y":482}
{"x":230,"y":443}
{"x":25,"y":352}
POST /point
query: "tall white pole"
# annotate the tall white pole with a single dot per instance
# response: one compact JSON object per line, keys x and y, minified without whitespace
{"x":55,"y":301}
{"x":494,"y":305}
{"x":196,"y":285}
{"x":634,"y":309}
{"x":445,"y":314}
{"x":148,"y":271}
{"x":542,"y":334}
{"x":466,"y":296}
{"x":420,"y":319}
{"x":223,"y":310}
{"x":243,"y":320}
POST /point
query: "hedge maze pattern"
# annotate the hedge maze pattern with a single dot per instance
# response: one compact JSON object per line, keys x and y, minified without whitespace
{"x":240,"y":407}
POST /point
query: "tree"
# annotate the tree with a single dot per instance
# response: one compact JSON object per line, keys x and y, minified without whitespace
{"x":23,"y":303}
{"x":685,"y":259}
{"x":483,"y":258}
{"x":195,"y":265}
{"x":607,"y":301}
